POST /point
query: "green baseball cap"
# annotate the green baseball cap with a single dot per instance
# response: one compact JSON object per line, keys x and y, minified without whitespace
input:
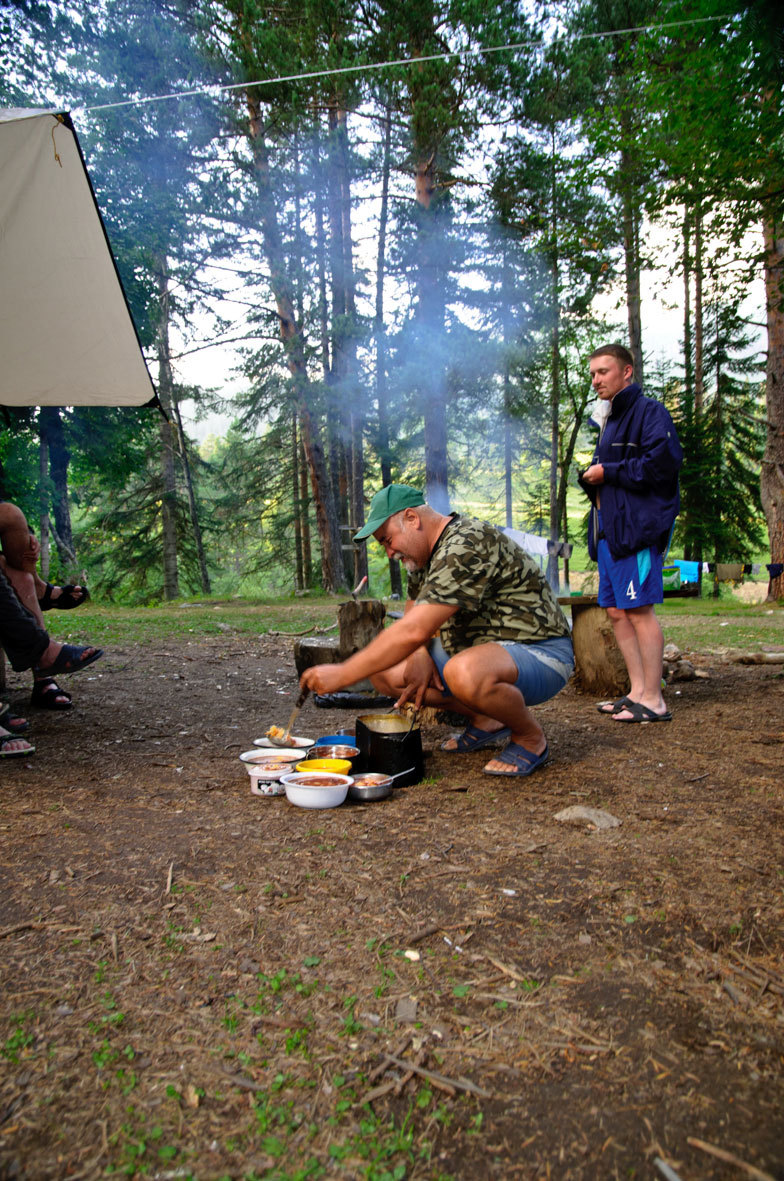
{"x":390,"y":500}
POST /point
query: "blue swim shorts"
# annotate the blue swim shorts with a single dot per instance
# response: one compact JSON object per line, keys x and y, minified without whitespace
{"x":634,"y":581}
{"x":542,"y":669}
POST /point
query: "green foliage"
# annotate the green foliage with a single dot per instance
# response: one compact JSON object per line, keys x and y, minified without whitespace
{"x":518,"y":181}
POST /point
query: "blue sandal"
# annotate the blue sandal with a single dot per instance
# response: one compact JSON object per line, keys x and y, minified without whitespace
{"x":523,"y":761}
{"x":473,"y":738}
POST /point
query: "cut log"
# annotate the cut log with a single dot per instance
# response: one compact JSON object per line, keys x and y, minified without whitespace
{"x":599,"y":665}
{"x":359,"y":621}
{"x":310,"y":650}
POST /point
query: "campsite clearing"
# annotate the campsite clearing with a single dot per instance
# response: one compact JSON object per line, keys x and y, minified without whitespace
{"x":198,"y":982}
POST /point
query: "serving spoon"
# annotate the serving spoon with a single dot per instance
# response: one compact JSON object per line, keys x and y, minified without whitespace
{"x":285,"y":738}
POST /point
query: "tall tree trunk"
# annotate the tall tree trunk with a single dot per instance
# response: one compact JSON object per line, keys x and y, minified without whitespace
{"x":772,"y":475}
{"x":699,"y":335}
{"x":167,"y":435}
{"x":299,"y":568}
{"x":382,"y":437}
{"x":688,"y":344}
{"x":552,"y":559}
{"x":307,"y":554}
{"x":357,"y":399}
{"x":43,"y":495}
{"x":59,"y":459}
{"x":555,"y":344}
{"x":431,"y":319}
{"x":507,"y":303}
{"x":338,"y":401}
{"x":294,"y":345}
{"x":192,"y":505}
{"x":631,"y":252}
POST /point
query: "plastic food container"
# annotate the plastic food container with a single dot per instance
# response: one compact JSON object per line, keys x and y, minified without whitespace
{"x":315,"y":789}
{"x":342,"y":738}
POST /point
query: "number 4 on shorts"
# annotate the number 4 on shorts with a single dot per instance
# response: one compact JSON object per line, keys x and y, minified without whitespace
{"x":631,"y":593}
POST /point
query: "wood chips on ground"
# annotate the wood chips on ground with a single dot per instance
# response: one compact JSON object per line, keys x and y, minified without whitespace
{"x":197,"y":982}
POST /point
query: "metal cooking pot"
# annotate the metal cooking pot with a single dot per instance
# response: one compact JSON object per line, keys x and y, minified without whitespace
{"x":389,"y":743}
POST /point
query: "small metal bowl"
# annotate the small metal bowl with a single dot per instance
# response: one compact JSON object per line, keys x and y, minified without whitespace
{"x":370,"y":785}
{"x":332,"y":751}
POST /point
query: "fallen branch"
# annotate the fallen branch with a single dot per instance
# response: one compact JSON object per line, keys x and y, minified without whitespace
{"x":440,"y":1080}
{"x":317,"y":631}
{"x":423,"y":934}
{"x":19,"y":927}
{"x":401,"y":1047}
{"x":730,"y":1158}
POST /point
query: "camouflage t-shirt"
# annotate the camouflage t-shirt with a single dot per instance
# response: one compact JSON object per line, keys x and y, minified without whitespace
{"x":500,"y":593}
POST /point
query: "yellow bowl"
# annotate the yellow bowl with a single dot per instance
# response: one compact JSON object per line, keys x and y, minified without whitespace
{"x":338,"y":766}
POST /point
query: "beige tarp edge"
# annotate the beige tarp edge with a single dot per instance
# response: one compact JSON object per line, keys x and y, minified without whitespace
{"x":66,"y":334}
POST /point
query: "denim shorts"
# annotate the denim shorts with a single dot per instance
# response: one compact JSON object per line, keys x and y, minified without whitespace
{"x":542,"y":669}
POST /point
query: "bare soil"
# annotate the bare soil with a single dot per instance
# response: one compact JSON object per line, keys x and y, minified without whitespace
{"x":450,"y":983}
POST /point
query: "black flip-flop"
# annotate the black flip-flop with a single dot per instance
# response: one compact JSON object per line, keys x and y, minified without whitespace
{"x":641,"y":713}
{"x":67,"y":599}
{"x":46,"y":694}
{"x":70,"y":659}
{"x":615,"y":706}
{"x":12,"y":722}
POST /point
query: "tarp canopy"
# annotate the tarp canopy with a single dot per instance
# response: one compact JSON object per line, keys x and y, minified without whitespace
{"x":66,"y":333}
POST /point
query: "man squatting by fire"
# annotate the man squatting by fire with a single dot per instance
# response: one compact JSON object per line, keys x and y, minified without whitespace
{"x":632,"y":484}
{"x":481,"y":634}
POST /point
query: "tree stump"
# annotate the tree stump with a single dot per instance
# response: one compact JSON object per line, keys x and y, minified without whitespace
{"x":598,"y":664}
{"x":359,"y":621}
{"x":310,"y":650}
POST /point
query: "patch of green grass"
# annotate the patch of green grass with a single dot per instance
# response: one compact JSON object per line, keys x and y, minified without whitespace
{"x":201,"y":617}
{"x":694,"y":624}
{"x":21,"y":1038}
{"x":700,"y":625}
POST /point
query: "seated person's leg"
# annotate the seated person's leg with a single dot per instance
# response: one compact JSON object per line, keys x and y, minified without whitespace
{"x":20,"y":552}
{"x":25,"y":641}
{"x":19,"y":557}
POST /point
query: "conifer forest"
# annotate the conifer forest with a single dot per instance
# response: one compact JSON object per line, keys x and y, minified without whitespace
{"x":405,"y":227}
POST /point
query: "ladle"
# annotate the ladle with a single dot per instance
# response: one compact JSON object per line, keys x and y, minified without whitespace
{"x":285,"y":739}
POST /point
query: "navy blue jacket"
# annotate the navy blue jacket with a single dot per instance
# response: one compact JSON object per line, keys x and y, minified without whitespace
{"x":641,"y":456}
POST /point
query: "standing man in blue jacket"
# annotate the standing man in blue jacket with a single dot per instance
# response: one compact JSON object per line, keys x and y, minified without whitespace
{"x":633,"y":487}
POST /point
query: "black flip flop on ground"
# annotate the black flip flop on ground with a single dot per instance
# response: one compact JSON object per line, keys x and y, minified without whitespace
{"x":615,"y":706}
{"x":641,"y":713}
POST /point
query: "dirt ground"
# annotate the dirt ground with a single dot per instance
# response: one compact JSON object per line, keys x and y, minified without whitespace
{"x":451,"y":983}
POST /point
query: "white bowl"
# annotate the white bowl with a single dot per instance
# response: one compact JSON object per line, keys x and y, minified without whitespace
{"x":260,"y":758}
{"x":329,"y":793}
